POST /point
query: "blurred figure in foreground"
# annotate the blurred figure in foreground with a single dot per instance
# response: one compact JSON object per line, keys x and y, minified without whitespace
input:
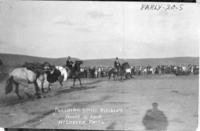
{"x":155,"y":119}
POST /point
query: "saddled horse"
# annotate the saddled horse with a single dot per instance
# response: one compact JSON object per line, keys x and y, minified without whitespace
{"x":75,"y":72}
{"x":123,"y":71}
{"x":19,"y":76}
{"x":128,"y":73}
{"x":53,"y":74}
{"x":113,"y":72}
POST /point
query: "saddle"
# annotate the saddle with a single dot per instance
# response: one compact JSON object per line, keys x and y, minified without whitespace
{"x":37,"y":68}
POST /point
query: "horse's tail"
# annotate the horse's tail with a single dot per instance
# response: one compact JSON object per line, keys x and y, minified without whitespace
{"x":9,"y":85}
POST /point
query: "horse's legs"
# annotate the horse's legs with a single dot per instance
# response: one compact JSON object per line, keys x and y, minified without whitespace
{"x":122,"y":74}
{"x":37,"y":89}
{"x":131,"y":75}
{"x":60,"y":79}
{"x":39,"y":84}
{"x":126,"y":75}
{"x":114,"y":76}
{"x":42,"y":84}
{"x":17,"y":90}
{"x":74,"y":81}
{"x":79,"y":80}
{"x":49,"y":88}
{"x":61,"y":83}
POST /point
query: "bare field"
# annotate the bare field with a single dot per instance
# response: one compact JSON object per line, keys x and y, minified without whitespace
{"x":105,"y":104}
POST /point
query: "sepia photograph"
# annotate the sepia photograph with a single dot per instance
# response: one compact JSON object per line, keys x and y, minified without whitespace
{"x":91,"y":65}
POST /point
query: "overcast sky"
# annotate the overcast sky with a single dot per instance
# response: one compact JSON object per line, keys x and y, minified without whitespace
{"x":89,"y":30}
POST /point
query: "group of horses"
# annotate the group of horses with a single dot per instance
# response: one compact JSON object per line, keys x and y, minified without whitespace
{"x":44,"y":74}
{"x":41,"y":74}
{"x":130,"y":71}
{"x":105,"y":71}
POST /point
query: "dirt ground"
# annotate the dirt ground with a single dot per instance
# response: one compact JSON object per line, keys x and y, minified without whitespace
{"x":105,"y":104}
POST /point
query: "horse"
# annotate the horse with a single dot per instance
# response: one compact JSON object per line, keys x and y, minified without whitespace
{"x":128,"y":72}
{"x":20,"y":75}
{"x":112,"y":72}
{"x":64,"y":74}
{"x":75,"y":72}
{"x":125,"y":70}
{"x":55,"y":73}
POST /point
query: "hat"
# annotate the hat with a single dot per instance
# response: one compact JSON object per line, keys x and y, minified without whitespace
{"x":155,"y":104}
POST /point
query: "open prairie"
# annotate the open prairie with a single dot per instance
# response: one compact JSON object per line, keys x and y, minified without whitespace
{"x":105,"y":104}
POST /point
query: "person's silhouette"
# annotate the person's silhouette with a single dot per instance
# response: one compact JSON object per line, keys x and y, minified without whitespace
{"x":155,"y":119}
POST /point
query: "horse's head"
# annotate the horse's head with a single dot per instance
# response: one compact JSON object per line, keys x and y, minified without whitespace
{"x":78,"y":62}
{"x":49,"y":69}
{"x":125,"y":65}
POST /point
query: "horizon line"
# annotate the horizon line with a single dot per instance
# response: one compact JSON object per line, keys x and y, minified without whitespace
{"x":98,"y":58}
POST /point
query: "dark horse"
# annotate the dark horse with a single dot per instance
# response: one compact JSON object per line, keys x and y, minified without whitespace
{"x":53,"y":75}
{"x":75,"y":72}
{"x":113,"y":72}
{"x":125,"y":70}
{"x":122,"y":71}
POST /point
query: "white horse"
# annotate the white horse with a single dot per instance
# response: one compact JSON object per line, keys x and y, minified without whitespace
{"x":22,"y":75}
{"x":63,"y":72}
{"x":128,"y":72}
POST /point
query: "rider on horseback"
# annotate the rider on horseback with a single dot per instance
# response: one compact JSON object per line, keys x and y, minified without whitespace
{"x":117,"y":64}
{"x":69,"y":62}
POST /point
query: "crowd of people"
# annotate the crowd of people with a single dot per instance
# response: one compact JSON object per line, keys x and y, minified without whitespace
{"x":103,"y":71}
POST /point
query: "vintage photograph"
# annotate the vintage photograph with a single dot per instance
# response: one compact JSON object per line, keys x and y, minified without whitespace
{"x":184,"y":1}
{"x":99,"y":65}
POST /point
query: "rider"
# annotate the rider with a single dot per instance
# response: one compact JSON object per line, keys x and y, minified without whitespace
{"x":69,"y":62}
{"x":117,"y":64}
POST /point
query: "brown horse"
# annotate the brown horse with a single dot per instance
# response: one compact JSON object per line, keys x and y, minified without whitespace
{"x":123,"y":71}
{"x":75,"y":72}
{"x":113,"y":72}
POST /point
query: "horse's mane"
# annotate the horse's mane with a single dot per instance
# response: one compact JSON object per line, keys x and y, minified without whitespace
{"x":79,"y":62}
{"x":125,"y":63}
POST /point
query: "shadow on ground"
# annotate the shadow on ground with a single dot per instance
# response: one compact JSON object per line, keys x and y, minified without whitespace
{"x":13,"y":100}
{"x":155,"y":119}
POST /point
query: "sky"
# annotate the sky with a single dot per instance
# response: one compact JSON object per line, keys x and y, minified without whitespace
{"x":94,"y":30}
